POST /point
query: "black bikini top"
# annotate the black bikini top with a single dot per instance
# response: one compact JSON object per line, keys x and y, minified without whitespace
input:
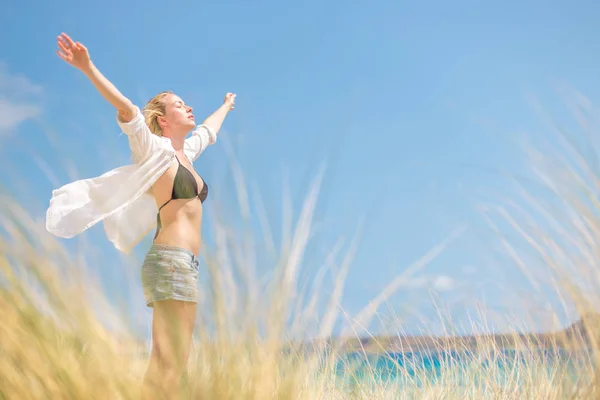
{"x":184,"y":187}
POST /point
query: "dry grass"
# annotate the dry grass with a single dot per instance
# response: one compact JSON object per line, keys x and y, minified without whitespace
{"x":53,"y":345}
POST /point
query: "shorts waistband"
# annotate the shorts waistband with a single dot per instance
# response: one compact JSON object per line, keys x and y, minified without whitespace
{"x":166,"y":247}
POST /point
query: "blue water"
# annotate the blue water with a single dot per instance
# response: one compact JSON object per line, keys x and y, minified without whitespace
{"x":462,"y":367}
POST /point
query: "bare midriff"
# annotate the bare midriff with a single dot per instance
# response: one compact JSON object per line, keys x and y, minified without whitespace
{"x":181,"y":224}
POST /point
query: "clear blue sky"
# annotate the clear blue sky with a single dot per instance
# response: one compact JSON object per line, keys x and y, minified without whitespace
{"x":414,"y":108}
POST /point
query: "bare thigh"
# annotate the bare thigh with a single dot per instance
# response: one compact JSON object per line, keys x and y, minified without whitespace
{"x":172,"y":329}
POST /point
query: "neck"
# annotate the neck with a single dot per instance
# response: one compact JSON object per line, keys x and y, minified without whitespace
{"x":177,"y":142}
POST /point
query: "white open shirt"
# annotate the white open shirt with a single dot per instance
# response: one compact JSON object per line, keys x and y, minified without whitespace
{"x":121,"y":197}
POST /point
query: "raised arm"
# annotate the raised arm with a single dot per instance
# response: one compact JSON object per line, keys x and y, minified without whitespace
{"x":215,"y":120}
{"x":206,"y":134}
{"x":78,"y":56}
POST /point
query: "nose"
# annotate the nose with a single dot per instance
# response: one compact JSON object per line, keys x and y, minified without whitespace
{"x":189,"y":109}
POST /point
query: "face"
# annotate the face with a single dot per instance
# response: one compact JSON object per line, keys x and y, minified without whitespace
{"x":178,"y":118}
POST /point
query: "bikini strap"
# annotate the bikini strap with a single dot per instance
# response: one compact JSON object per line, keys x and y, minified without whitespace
{"x":168,"y":201}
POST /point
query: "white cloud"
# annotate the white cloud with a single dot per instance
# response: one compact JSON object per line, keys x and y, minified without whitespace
{"x":19,"y":99}
{"x":441,"y":283}
{"x":469,"y":270}
{"x":416,"y":282}
{"x":12,"y":114}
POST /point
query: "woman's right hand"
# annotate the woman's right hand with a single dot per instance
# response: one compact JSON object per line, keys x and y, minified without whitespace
{"x":72,"y":52}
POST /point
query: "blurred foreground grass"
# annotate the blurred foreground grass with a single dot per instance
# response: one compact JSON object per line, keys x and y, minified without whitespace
{"x":53,"y":345}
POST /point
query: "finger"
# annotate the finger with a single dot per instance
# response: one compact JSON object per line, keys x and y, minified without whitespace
{"x":64,"y":48}
{"x":81,"y":46}
{"x":68,"y":39}
{"x":62,"y":55}
{"x":63,"y":42}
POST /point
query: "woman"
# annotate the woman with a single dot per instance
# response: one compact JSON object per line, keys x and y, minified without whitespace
{"x":161,"y":188}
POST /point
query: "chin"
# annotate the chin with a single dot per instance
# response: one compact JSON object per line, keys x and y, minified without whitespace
{"x":189,"y":125}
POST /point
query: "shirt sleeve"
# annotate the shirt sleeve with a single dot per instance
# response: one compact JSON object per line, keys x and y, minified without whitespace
{"x":141,"y":140}
{"x":201,"y":138}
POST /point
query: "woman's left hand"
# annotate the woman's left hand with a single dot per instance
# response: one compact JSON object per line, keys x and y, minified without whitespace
{"x":230,"y":100}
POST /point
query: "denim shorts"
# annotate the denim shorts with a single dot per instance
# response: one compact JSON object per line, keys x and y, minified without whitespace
{"x":170,"y":272}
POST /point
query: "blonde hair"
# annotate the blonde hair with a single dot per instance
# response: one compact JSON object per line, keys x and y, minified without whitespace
{"x":153,"y":109}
